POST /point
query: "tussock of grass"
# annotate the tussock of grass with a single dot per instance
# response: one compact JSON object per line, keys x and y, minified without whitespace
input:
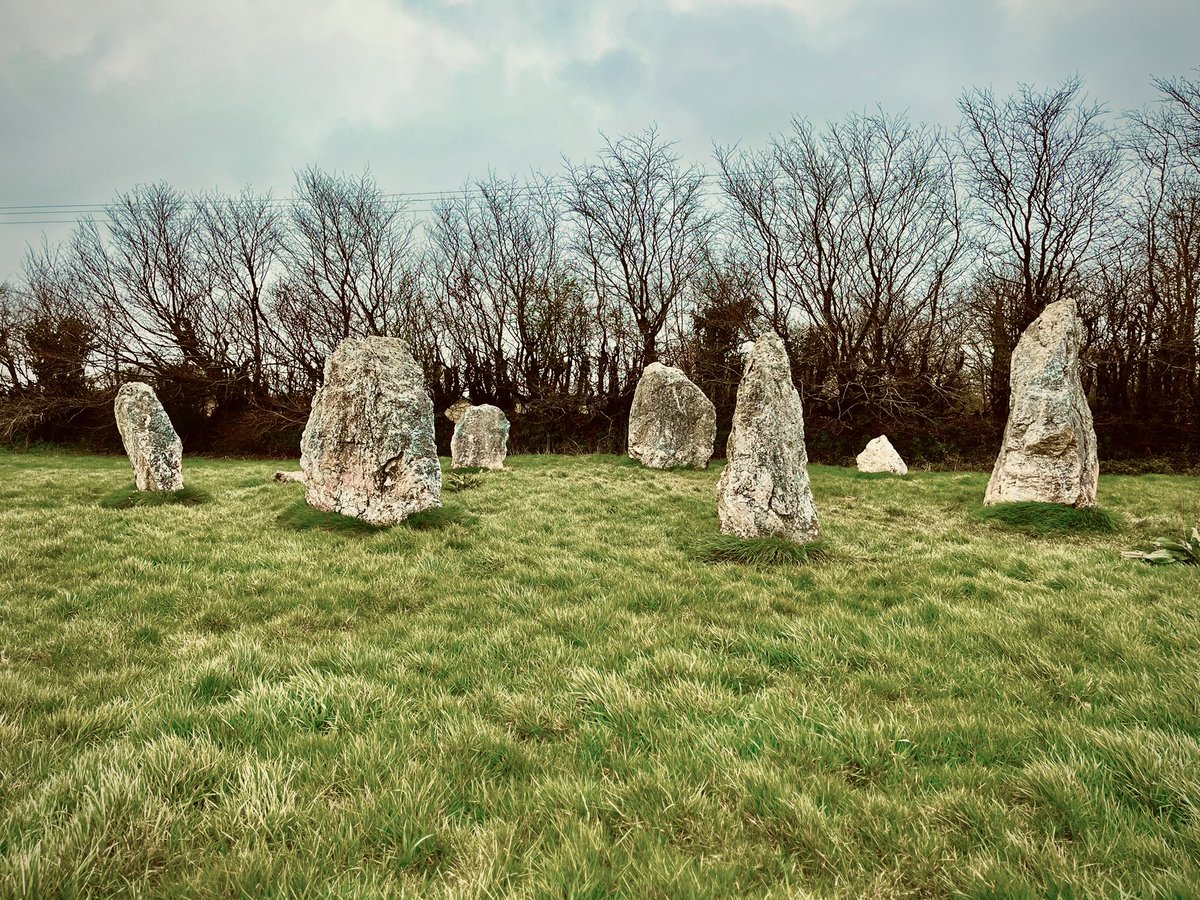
{"x":764,"y":551}
{"x":299,"y":516}
{"x":130,"y":497}
{"x":1050,"y":518}
{"x":459,"y":480}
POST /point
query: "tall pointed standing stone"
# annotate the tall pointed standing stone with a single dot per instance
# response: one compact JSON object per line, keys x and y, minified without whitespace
{"x":480,"y":438}
{"x":368,"y":450}
{"x":150,"y":440}
{"x":764,"y":489}
{"x":671,"y":423}
{"x":1049,"y":449}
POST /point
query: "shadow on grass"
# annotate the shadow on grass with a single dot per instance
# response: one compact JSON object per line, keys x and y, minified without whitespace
{"x":1049,"y":518}
{"x":761,"y":552}
{"x":299,"y":516}
{"x":130,"y":497}
{"x":881,"y":476}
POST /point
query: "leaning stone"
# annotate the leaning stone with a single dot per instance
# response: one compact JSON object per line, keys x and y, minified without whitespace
{"x":455,"y":410}
{"x":480,"y":438}
{"x":671,"y":422}
{"x":290,"y":477}
{"x":149,"y":437}
{"x":880,"y":456}
{"x":1049,"y":450}
{"x":368,"y":450}
{"x":764,"y":490}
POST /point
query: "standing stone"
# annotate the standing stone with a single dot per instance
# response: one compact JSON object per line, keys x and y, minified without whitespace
{"x":671,"y":422}
{"x":149,"y":437}
{"x":1049,"y":449}
{"x":880,"y":456}
{"x":480,"y":438}
{"x":764,"y":489}
{"x":368,"y":450}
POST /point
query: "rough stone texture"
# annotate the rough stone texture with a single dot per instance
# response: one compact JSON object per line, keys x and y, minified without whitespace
{"x":1049,"y":449}
{"x":290,"y":477}
{"x":880,"y":456}
{"x":368,"y":450}
{"x":149,"y":437}
{"x":764,"y":489}
{"x":671,"y":422}
{"x":480,"y":438}
{"x":455,"y":410}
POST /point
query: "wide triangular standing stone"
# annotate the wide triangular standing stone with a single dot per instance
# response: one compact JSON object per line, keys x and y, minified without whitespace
{"x":879,"y":456}
{"x":764,"y":489}
{"x":1049,"y":449}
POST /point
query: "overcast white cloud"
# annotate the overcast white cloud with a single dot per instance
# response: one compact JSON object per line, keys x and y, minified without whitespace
{"x":96,"y":97}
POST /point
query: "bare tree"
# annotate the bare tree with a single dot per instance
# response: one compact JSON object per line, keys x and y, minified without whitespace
{"x":510,"y":307}
{"x":643,"y":229}
{"x":1042,"y":169}
{"x":243,"y":238}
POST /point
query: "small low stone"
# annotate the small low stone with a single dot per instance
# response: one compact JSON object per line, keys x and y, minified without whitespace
{"x":879,"y":456}
{"x":290,"y":477}
{"x":153,"y":447}
{"x":480,"y":438}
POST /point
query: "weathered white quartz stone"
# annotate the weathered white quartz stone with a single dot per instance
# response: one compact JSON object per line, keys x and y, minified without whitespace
{"x":880,"y":456}
{"x":368,"y":450}
{"x":764,"y":489}
{"x":480,"y":438}
{"x":671,"y":422}
{"x":150,"y":440}
{"x":1049,"y":449}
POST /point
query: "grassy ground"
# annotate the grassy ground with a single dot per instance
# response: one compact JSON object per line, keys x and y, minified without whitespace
{"x":549,"y":692}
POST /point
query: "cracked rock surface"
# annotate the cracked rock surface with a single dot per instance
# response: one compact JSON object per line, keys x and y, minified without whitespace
{"x":764,"y":490}
{"x":150,"y":440}
{"x":368,"y":449}
{"x":671,"y":422}
{"x":1049,"y":450}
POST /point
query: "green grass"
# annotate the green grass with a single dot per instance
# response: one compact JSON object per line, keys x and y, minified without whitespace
{"x":764,"y":551}
{"x":129,"y":496}
{"x":1050,"y":518}
{"x":554,"y":696}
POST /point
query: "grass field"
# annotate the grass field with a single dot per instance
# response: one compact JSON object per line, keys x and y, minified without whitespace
{"x":551,"y":691}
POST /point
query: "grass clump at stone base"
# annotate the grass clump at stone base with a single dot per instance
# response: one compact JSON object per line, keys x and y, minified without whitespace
{"x":130,"y":497}
{"x":762,"y":551}
{"x":1050,"y":518}
{"x":562,"y":701}
{"x":299,"y":516}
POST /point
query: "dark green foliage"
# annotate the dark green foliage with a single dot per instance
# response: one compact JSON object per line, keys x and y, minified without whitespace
{"x":1168,"y":551}
{"x":1050,"y":518}
{"x":130,"y":497}
{"x":764,"y":551}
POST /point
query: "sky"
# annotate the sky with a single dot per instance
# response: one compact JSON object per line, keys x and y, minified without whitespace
{"x":96,"y":98}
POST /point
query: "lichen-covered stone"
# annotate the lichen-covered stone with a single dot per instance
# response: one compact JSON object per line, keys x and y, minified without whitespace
{"x":150,"y":440}
{"x":480,"y":438}
{"x":879,"y":456}
{"x":764,"y":490}
{"x":368,"y":450}
{"x":1049,"y":450}
{"x":455,"y":410}
{"x":671,"y":422}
